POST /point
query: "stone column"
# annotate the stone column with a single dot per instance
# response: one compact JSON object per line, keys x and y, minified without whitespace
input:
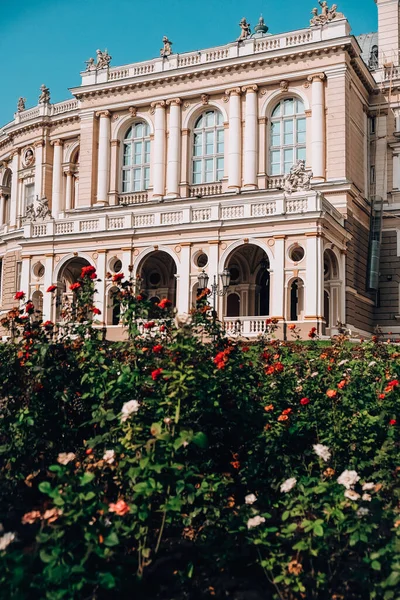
{"x":277,"y":284}
{"x":48,"y":298}
{"x":314,"y":284}
{"x":235,"y":142}
{"x":250,"y":137}
{"x":114,"y":172}
{"x":68,"y":190}
{"x":159,"y":149}
{"x":2,"y":210}
{"x":318,"y":126}
{"x":100,"y":300}
{"x":262,"y":153}
{"x":25,"y":275}
{"x":38,"y":168}
{"x":14,"y":189}
{"x":174,"y":147}
{"x":103,"y":157}
{"x":184,"y":279}
{"x":396,"y":171}
{"x":56,"y":206}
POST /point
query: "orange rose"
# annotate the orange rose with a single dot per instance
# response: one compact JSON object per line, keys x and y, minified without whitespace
{"x":331,"y":393}
{"x":269,"y":408}
{"x":341,"y":384}
{"x":283,"y":418}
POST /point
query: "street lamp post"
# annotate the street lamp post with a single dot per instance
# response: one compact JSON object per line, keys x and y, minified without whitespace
{"x":216,"y":290}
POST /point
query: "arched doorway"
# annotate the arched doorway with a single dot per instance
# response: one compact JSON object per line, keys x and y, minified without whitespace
{"x":332,"y":288}
{"x":157,"y":272}
{"x":68,"y":274}
{"x":113,"y":307}
{"x":249,"y":290}
{"x":37,"y":299}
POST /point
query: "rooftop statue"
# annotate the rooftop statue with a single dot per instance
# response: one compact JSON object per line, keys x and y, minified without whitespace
{"x":103,"y":59}
{"x":298,"y":179}
{"x":44,"y":97}
{"x":327,"y":14}
{"x":21,"y":104}
{"x":246,"y":30}
{"x":166,"y":50}
{"x":90,"y":64}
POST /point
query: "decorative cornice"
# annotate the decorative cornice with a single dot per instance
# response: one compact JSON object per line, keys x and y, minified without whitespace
{"x":249,"y":88}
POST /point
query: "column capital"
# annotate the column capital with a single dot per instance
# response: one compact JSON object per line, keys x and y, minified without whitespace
{"x":38,"y":144}
{"x":232,"y":92}
{"x":316,"y":77}
{"x":103,"y":114}
{"x":158,"y":104}
{"x":57,"y":142}
{"x":249,"y":88}
{"x":174,"y":101}
{"x":15,"y":153}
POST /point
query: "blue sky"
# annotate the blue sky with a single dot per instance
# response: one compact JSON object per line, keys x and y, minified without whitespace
{"x":47,"y":41}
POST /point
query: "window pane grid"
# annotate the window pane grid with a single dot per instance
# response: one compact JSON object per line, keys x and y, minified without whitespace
{"x":136,"y":159}
{"x":208,"y":148}
{"x":287,"y":136}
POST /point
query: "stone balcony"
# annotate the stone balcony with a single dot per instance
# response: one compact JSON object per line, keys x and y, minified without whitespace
{"x":215,"y":211}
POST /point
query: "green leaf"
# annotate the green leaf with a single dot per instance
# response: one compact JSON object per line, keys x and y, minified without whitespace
{"x":319,"y":530}
{"x":200,"y":439}
{"x":141,"y":487}
{"x":111,"y":540}
{"x":44,"y":557}
{"x":45,"y":487}
{"x":86,"y":478}
{"x":89,"y":496}
{"x":376,"y":565}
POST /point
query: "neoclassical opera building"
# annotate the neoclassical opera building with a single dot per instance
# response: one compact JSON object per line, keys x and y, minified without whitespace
{"x":276,"y":156}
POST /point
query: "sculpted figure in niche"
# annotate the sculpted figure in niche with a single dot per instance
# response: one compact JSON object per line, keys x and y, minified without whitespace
{"x":44,"y":97}
{"x":166,"y":50}
{"x":298,"y":179}
{"x":21,"y":104}
{"x":103,"y":59}
{"x":246,"y":30}
{"x":29,"y":157}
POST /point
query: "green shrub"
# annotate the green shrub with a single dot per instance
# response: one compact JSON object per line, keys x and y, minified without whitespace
{"x":181,"y":465}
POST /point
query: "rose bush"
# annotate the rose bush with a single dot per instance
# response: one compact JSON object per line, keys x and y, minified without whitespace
{"x":180,"y":464}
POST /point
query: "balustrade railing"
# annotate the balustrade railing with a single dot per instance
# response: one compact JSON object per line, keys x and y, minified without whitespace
{"x":245,"y":326}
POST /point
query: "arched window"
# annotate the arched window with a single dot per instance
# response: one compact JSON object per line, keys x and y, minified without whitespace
{"x":208,"y":148}
{"x":287,"y":136}
{"x":136,"y":158}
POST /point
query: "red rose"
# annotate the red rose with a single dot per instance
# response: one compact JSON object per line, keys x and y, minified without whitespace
{"x":29,"y":307}
{"x":149,"y":325}
{"x":312,"y":334}
{"x":118,"y":277}
{"x":278,"y":367}
{"x":269,"y":370}
{"x":48,"y":324}
{"x":96,"y":311}
{"x":268,"y":321}
{"x":75,"y":286}
{"x":381,"y":396}
{"x":19,"y":296}
{"x":163,"y":328}
{"x":51,"y":288}
{"x":164,"y":303}
{"x":87,"y":271}
{"x":139,"y":297}
{"x":156,"y":374}
{"x":93,"y":276}
{"x":287,"y":411}
{"x":304,"y":401}
{"x":341,"y":384}
{"x":157,"y":349}
{"x":89,"y":451}
{"x":392,"y":422}
{"x":292,"y":327}
{"x":245,"y":349}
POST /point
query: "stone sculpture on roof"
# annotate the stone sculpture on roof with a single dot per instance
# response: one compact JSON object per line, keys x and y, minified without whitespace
{"x":298,"y":179}
{"x":44,"y":97}
{"x":166,"y":50}
{"x":261,"y":27}
{"x":103,"y":59}
{"x":246,"y":30}
{"x":327,"y":14}
{"x":21,"y":104}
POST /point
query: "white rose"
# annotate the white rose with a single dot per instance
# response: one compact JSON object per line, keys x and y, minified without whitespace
{"x":368,"y":486}
{"x":250,"y":499}
{"x":109,"y":456}
{"x":65,"y":457}
{"x":288,"y":485}
{"x":348,"y":479}
{"x":351,"y":495}
{"x":128,"y":409}
{"x":255,"y":522}
{"x":367,"y":497}
{"x":6,"y":539}
{"x":322,"y":451}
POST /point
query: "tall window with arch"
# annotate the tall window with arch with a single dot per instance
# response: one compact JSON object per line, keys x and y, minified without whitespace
{"x":287,"y":140}
{"x":136,"y":158}
{"x":208,"y":148}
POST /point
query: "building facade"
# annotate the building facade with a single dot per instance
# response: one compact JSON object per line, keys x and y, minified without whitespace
{"x":275,"y":156}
